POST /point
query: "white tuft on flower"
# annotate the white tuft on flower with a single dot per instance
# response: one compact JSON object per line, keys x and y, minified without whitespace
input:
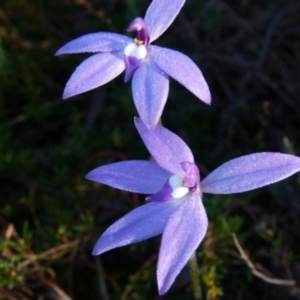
{"x":134,"y":50}
{"x":176,"y":184}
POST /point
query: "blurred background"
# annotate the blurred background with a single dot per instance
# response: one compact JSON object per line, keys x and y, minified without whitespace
{"x":51,"y":216}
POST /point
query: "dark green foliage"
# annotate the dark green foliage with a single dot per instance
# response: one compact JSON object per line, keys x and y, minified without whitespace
{"x":50,"y":216}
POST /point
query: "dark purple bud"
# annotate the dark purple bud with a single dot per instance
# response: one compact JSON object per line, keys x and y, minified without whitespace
{"x":138,"y":26}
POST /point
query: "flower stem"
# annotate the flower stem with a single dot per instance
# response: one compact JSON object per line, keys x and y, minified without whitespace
{"x":194,"y":276}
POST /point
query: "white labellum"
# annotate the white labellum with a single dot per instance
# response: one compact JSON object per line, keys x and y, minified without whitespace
{"x":137,"y":51}
{"x":178,"y":189}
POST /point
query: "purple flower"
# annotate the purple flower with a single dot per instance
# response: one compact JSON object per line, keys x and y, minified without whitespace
{"x":175,"y":208}
{"x":149,"y":65}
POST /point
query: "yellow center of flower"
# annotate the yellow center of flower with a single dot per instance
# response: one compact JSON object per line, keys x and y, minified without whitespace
{"x":138,"y":42}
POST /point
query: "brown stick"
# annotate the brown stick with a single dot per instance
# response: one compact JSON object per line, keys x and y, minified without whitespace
{"x":57,"y":251}
{"x":255,"y":272}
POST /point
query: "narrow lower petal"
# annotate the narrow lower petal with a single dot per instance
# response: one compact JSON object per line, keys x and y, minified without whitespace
{"x":150,"y":89}
{"x":163,"y":195}
{"x":132,"y":64}
{"x":138,"y":176}
{"x":140,"y":224}
{"x":96,"y":42}
{"x":95,"y":71}
{"x":250,"y":172}
{"x":167,"y":149}
{"x":160,"y":15}
{"x":182,"y":235}
{"x":183,"y":69}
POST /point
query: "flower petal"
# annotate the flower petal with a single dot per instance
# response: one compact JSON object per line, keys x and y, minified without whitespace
{"x":182,"y":235}
{"x":96,"y":42}
{"x":163,"y":195}
{"x":138,"y":176}
{"x":142,"y":223}
{"x":167,"y":149}
{"x":250,"y":172}
{"x":93,"y":72}
{"x":131,"y":64}
{"x":182,"y":69}
{"x":150,"y":88}
{"x":160,"y":15}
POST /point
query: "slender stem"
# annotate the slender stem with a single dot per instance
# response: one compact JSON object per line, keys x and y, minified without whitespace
{"x":194,"y":276}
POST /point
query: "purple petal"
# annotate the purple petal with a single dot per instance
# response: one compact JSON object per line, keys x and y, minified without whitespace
{"x":142,"y":223}
{"x":160,"y":15}
{"x":93,"y":72}
{"x":132,"y":64}
{"x":182,"y":69}
{"x":250,"y":172}
{"x":138,"y":176}
{"x":182,"y":235}
{"x":167,"y":149}
{"x":96,"y":42}
{"x":150,"y":88}
{"x":163,"y":195}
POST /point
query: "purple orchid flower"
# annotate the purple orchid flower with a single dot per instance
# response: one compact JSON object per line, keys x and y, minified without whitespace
{"x":150,"y":65}
{"x":175,"y":209}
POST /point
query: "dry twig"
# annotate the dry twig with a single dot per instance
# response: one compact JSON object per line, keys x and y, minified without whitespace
{"x":53,"y":253}
{"x":255,"y":272}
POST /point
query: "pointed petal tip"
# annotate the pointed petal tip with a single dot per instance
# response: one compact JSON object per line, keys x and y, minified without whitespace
{"x":202,"y":94}
{"x":66,"y":95}
{"x":97,"y":251}
{"x":58,"y":52}
{"x":61,"y":51}
{"x":162,"y":288}
{"x":87,"y":176}
{"x":207,"y":100}
{"x":94,"y":253}
{"x":91,"y":176}
{"x":161,"y":291}
{"x":99,"y":248}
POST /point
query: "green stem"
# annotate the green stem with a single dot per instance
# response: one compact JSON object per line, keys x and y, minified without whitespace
{"x":194,"y":276}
